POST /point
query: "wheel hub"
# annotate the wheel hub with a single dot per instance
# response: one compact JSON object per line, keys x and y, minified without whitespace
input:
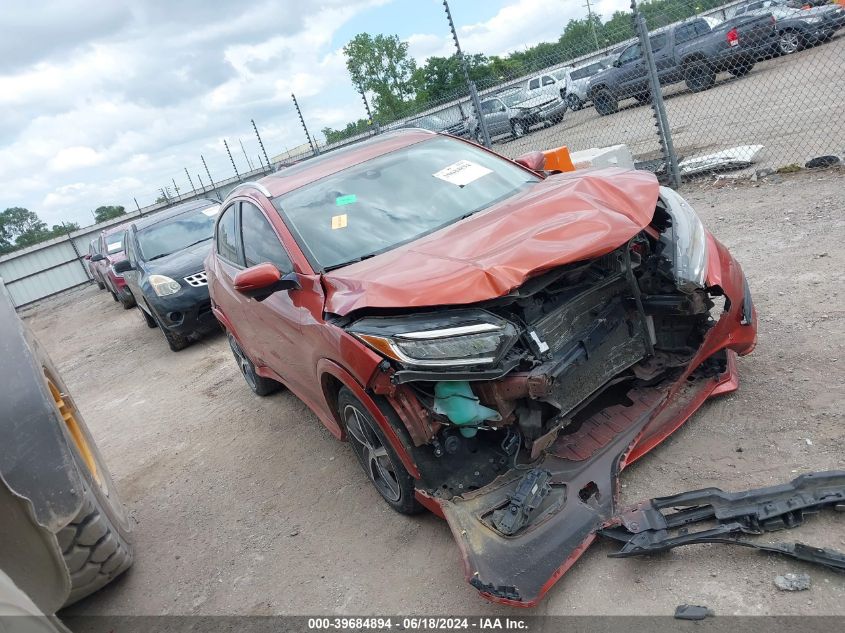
{"x":372,"y":454}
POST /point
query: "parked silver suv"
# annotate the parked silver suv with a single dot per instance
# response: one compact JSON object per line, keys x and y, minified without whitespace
{"x":504,"y":114}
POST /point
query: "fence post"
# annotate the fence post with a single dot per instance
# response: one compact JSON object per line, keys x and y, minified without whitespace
{"x":476,"y":104}
{"x":664,"y":134}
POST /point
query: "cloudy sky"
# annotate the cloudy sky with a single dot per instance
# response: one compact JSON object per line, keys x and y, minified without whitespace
{"x":101,"y":101}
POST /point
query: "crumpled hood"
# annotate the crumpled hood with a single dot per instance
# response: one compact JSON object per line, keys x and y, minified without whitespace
{"x":565,"y":218}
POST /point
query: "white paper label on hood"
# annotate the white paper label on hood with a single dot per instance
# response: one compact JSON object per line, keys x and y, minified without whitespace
{"x":212,"y":211}
{"x":462,"y":173}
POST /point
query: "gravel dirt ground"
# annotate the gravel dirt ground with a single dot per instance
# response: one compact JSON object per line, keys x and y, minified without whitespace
{"x":245,"y":505}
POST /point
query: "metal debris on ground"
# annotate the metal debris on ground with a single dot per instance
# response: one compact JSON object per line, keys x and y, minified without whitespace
{"x":693,"y":612}
{"x":822,"y":161}
{"x":732,"y":158}
{"x":645,"y":529}
{"x":793,"y":582}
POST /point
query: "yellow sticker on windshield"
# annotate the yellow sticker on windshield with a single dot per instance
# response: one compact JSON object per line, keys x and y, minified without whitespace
{"x":338,"y":222}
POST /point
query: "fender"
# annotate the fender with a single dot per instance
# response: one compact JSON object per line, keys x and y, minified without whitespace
{"x":329,"y":367}
{"x":35,"y":461}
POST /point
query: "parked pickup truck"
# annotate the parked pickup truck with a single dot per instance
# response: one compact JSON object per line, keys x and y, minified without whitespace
{"x":694,"y":51}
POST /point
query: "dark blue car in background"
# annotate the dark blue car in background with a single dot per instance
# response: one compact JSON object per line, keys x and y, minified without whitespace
{"x":164,"y":270}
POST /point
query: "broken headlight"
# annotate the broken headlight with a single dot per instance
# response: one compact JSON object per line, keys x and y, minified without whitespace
{"x":456,"y":338}
{"x":687,"y":239}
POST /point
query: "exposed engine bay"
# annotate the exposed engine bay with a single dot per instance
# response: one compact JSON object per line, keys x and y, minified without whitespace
{"x":519,"y":412}
{"x":529,"y":367}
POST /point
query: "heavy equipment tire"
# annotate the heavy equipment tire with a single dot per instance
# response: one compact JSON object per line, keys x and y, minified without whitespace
{"x":385,"y":472}
{"x":62,"y":522}
{"x":95,"y":545}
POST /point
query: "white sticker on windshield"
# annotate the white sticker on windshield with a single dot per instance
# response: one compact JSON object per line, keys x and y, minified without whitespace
{"x":462,"y":173}
{"x":212,"y":211}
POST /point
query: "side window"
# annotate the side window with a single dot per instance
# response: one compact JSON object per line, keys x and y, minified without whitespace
{"x":630,"y":54}
{"x":548,"y":81}
{"x":486,"y":107}
{"x":227,"y":240}
{"x":683,"y":33}
{"x":702,"y":27}
{"x":499,"y":105}
{"x":533,"y":84}
{"x":658,"y":41}
{"x":260,"y":241}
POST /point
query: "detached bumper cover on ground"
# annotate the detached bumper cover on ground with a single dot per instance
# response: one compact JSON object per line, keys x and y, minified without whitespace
{"x":584,"y":466}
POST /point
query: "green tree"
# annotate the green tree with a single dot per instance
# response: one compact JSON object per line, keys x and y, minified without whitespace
{"x":20,"y":227}
{"x":360,"y":126}
{"x":101,"y":214}
{"x":381,"y":65}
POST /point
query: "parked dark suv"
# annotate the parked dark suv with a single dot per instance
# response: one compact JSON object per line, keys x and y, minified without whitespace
{"x":164,"y":270}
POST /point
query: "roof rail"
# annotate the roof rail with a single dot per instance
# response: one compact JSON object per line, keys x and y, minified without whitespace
{"x":255,"y":184}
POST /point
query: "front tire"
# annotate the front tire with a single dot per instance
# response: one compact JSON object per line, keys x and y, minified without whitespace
{"x":518,"y":128}
{"x":176,"y":342}
{"x":150,"y":321}
{"x":378,"y":459}
{"x":574,"y":102}
{"x":260,"y":385}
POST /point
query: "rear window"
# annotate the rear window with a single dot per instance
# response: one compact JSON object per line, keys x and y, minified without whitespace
{"x":114,"y":243}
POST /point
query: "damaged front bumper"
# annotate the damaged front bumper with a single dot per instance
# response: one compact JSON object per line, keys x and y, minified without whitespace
{"x":571,"y":489}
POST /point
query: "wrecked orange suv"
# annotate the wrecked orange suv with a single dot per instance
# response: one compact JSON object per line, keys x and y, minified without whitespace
{"x":496,"y":342}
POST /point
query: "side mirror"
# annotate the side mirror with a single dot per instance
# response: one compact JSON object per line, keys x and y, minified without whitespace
{"x":97,"y":257}
{"x":122,"y":266}
{"x":617,"y":63}
{"x":260,"y":281}
{"x":535,"y":161}
{"x":503,"y":109}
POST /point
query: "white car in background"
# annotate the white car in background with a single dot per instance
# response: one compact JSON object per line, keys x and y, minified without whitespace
{"x":576,"y":80}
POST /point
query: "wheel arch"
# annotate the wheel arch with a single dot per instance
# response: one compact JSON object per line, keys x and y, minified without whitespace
{"x":36,"y":461}
{"x":333,"y":377}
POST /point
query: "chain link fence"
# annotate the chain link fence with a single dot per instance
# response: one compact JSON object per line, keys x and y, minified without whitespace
{"x":692,"y":87}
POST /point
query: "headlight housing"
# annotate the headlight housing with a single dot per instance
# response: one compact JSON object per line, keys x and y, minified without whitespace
{"x":455,"y":338}
{"x":163,"y":285}
{"x":688,"y":241}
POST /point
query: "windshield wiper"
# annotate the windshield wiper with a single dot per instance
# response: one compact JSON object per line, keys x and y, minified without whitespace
{"x":351,"y":261}
{"x":158,"y":256}
{"x":197,"y":242}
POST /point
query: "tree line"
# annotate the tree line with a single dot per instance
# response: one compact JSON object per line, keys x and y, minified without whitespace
{"x":21,"y":227}
{"x":381,"y":66}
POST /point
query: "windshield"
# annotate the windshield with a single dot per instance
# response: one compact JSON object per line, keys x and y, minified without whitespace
{"x":177,"y":233}
{"x":114,"y":243}
{"x":513,"y":98}
{"x":395,"y":198}
{"x":560,"y":74}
